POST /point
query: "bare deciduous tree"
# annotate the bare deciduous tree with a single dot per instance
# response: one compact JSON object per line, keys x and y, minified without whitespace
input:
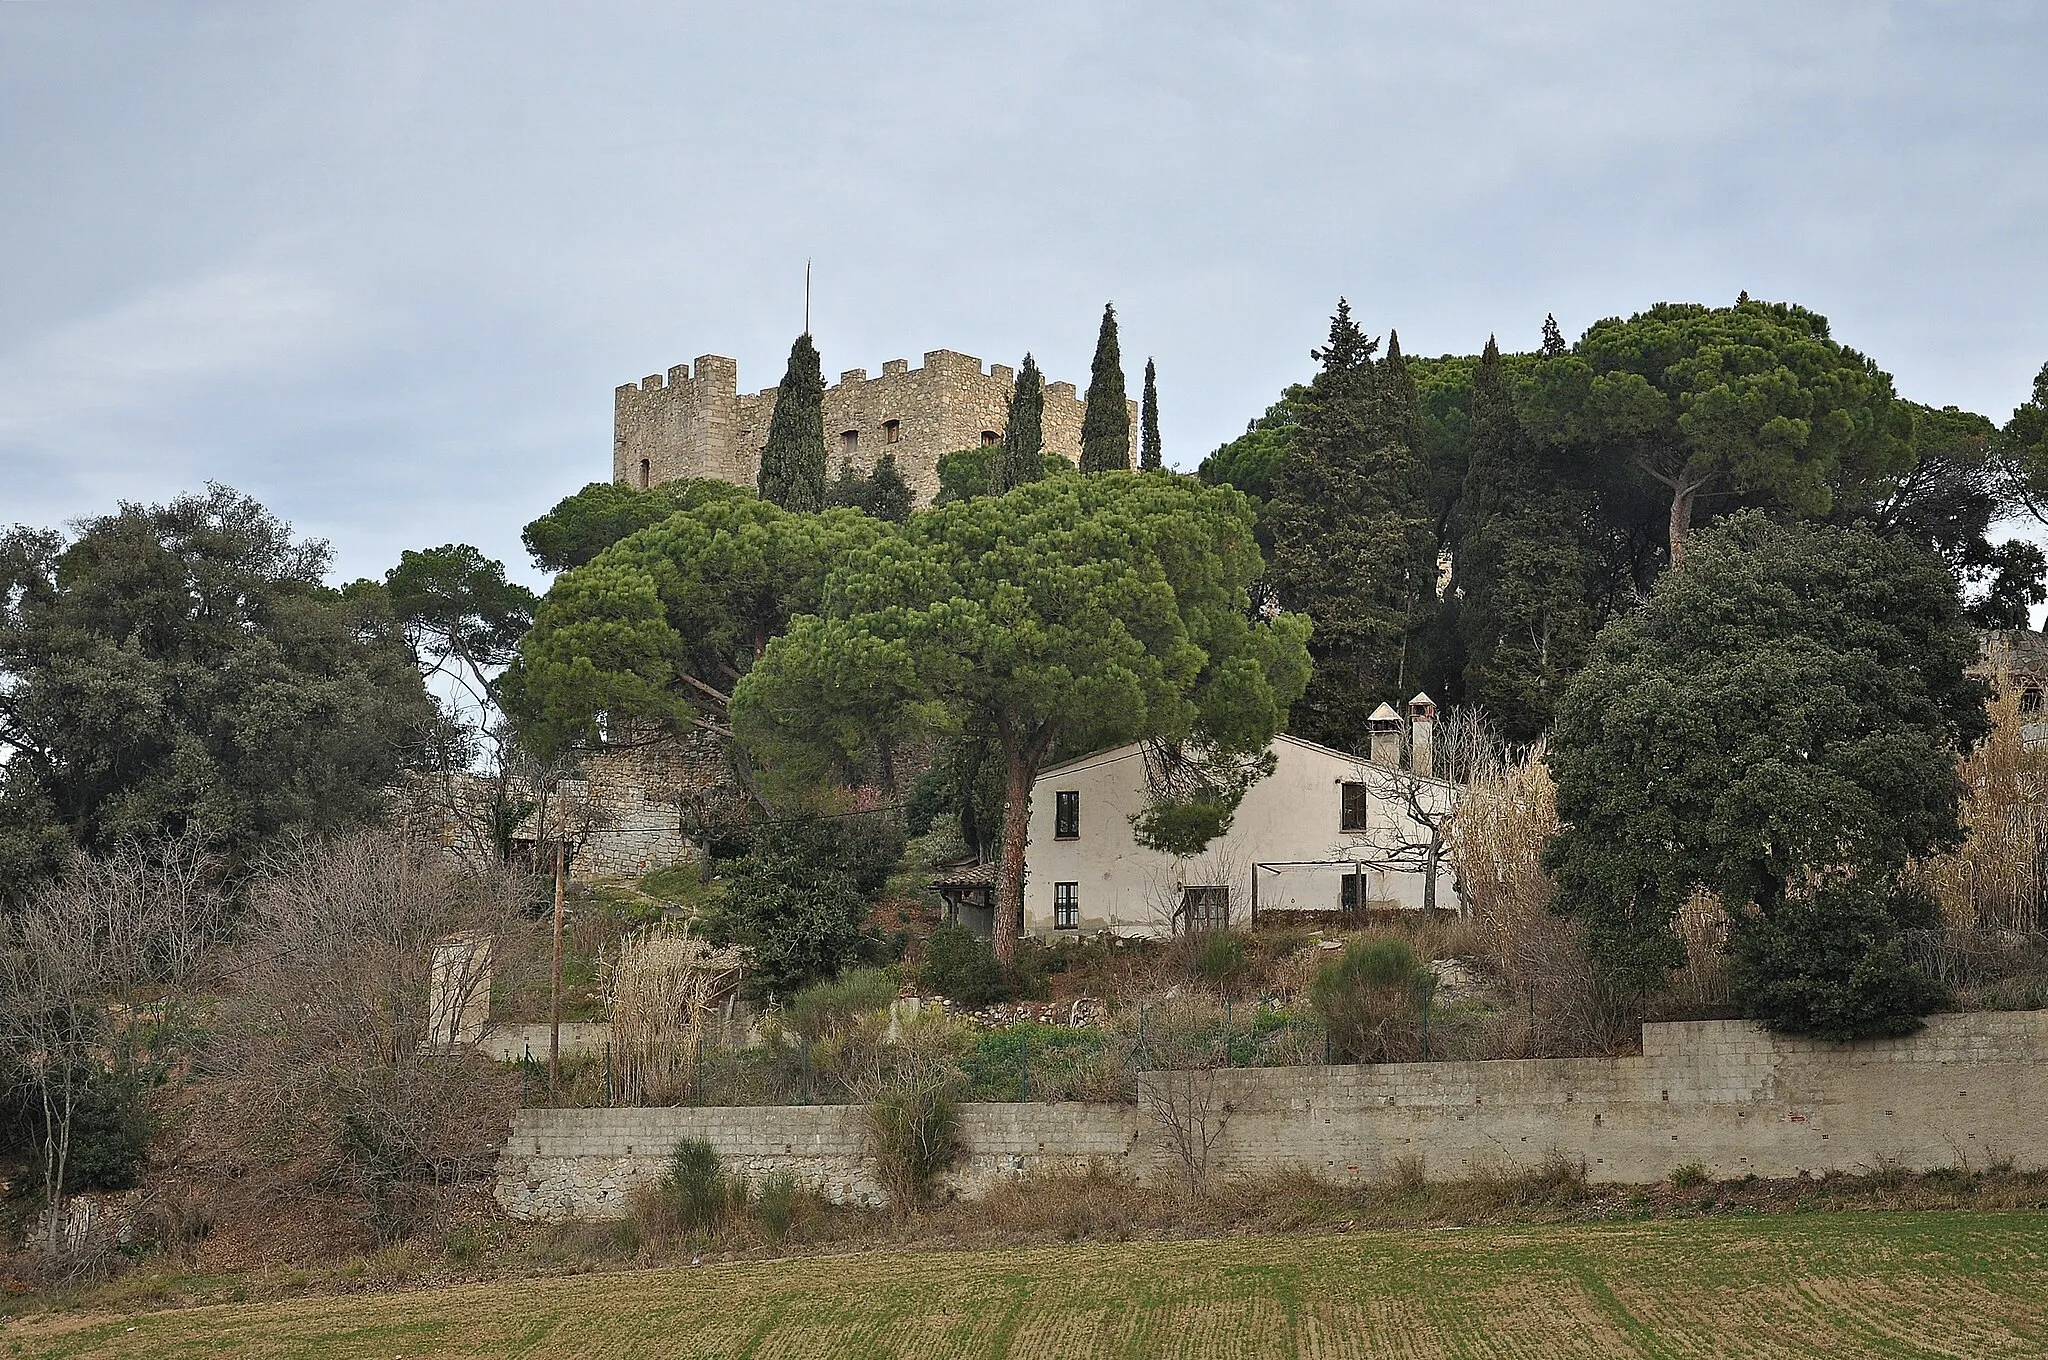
{"x":325,"y":1043}
{"x":88,"y":955}
{"x":1416,"y":839}
{"x":1190,"y":1113}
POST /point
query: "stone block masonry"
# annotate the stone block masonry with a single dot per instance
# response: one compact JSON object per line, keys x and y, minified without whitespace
{"x":1968,"y":1090}
{"x":668,"y":427}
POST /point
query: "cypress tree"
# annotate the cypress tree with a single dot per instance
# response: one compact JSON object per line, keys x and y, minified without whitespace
{"x":1523,"y":568}
{"x":889,"y":496}
{"x":793,"y":462}
{"x":1106,"y":424}
{"x":1021,"y":458}
{"x":1352,"y":534}
{"x":1149,"y":458}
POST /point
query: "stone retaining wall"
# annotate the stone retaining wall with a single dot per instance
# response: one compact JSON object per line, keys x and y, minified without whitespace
{"x":1967,"y":1090}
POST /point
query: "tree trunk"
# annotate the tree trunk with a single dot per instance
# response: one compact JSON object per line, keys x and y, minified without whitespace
{"x":1681,"y":518}
{"x":1016,"y":824}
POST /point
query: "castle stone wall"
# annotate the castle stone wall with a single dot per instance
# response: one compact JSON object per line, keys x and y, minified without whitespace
{"x":1967,"y":1090}
{"x":682,"y":424}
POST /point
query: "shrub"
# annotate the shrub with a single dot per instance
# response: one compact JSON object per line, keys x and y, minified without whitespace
{"x":915,"y":1128}
{"x":694,"y":1184}
{"x":959,"y":965}
{"x":800,"y":897}
{"x":1833,"y":965}
{"x":1373,"y":1000}
{"x":819,"y":1009}
{"x":777,"y":1204}
{"x":1690,"y":1175}
{"x":1224,"y":960}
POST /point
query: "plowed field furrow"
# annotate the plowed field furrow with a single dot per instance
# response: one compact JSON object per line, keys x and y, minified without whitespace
{"x":1925,"y":1285}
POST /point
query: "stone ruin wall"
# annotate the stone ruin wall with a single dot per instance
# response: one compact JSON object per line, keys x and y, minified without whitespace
{"x":699,"y":425}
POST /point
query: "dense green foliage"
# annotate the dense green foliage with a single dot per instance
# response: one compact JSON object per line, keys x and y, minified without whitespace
{"x":1021,"y":456}
{"x":959,"y":964}
{"x":581,"y":526}
{"x":1151,"y":456}
{"x":2023,"y":447}
{"x":882,"y":493}
{"x":800,"y":898}
{"x":793,"y":460}
{"x":1106,"y":421}
{"x":1083,"y":611}
{"x":1352,"y":544}
{"x":182,"y":666}
{"x":1778,"y":725}
{"x":658,"y":628}
{"x":967,"y":473}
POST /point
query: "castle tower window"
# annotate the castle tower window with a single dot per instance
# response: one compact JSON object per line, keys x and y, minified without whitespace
{"x":849,"y":443}
{"x":646,"y":471}
{"x":989,"y":437}
{"x":2030,"y":699}
{"x":892,"y":430}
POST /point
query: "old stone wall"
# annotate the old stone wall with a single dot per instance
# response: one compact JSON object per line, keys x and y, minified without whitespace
{"x":1967,"y":1090}
{"x":678,"y":425}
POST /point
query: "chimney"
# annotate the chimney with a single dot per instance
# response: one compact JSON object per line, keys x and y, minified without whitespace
{"x":1386,"y":736}
{"x":1422,"y":735}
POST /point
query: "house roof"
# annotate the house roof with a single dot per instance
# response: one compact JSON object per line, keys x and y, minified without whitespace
{"x":1132,"y":748}
{"x":967,"y":874}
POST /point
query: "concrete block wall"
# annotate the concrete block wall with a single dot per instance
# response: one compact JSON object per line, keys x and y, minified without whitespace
{"x":1967,"y":1090}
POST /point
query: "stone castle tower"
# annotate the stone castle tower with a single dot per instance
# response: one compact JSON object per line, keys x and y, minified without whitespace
{"x":701,"y":425}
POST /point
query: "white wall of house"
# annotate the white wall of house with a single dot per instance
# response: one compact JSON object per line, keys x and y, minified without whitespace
{"x":1288,"y":831}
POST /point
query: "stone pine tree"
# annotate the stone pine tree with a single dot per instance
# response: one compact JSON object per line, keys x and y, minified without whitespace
{"x":1352,"y":535}
{"x":1021,"y":458}
{"x":1522,"y":567}
{"x":1106,"y":424}
{"x":1149,"y":456}
{"x":793,"y":462}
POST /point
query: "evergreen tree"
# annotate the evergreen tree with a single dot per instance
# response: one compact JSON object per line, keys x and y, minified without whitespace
{"x":1149,"y":457}
{"x":1021,"y":459}
{"x":1106,"y":424}
{"x":889,"y":496}
{"x":793,"y":462}
{"x":1522,"y":569}
{"x":1553,"y":338}
{"x":1352,"y":539}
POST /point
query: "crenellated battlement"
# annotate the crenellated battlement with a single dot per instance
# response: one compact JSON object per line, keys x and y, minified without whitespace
{"x":675,"y":425}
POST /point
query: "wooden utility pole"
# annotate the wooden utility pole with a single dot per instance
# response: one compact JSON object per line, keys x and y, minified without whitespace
{"x":555,"y":990}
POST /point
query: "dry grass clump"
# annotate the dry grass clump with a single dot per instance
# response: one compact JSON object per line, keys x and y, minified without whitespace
{"x":665,"y":989}
{"x":1993,"y":880}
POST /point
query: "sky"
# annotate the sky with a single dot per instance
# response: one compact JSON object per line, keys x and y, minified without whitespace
{"x":381,"y":265}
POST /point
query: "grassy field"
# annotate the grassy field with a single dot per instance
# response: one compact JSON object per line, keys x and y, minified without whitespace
{"x":1928,"y":1284}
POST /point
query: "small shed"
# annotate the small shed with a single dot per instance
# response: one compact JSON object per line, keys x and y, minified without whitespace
{"x":968,"y":890}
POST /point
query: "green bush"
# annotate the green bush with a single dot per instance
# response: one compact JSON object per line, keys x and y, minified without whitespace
{"x":960,"y":965}
{"x":916,"y":1130}
{"x":110,"y":1129}
{"x":800,"y":897}
{"x":777,"y":1203}
{"x":1834,"y":965}
{"x":995,"y":1065}
{"x":819,"y":1009}
{"x":1691,"y":1175}
{"x":1224,"y":960}
{"x":694,"y":1184}
{"x":1373,"y":1000}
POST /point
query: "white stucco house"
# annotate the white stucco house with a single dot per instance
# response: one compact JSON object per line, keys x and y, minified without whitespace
{"x":1325,"y":832}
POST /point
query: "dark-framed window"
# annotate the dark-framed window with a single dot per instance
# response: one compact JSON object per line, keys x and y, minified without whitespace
{"x":1357,"y":807}
{"x":1066,"y":906}
{"x":989,"y":437}
{"x":849,"y":442}
{"x":1066,"y":815}
{"x":1352,"y":896}
{"x":2030,"y":699}
{"x":646,"y":471}
{"x":1205,"y":908}
{"x":892,"y":430}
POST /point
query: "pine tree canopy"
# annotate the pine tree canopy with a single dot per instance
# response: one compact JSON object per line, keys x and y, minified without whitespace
{"x":1021,"y":459}
{"x":1106,"y":423}
{"x":793,"y":461}
{"x":1150,"y":456}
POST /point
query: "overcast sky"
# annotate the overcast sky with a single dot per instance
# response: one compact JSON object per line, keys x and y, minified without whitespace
{"x":382,"y":265}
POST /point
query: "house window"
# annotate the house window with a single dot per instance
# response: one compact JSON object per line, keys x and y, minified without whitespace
{"x":1204,"y":908}
{"x":646,"y":470}
{"x":1066,"y":815}
{"x":1352,"y":897}
{"x":2030,"y":699}
{"x":989,"y":437}
{"x":849,"y":443}
{"x":892,"y":430}
{"x":1357,"y":808}
{"x":1066,"y":906}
